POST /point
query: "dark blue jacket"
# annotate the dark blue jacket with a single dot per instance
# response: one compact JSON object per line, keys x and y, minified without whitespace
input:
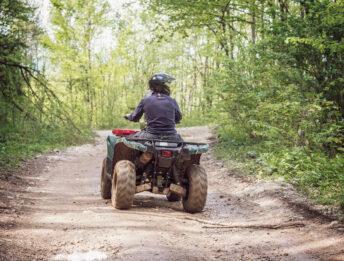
{"x":161,"y":113}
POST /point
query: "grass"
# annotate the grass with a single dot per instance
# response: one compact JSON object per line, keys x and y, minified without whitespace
{"x":195,"y":119}
{"x":18,"y":144}
{"x":312,"y":172}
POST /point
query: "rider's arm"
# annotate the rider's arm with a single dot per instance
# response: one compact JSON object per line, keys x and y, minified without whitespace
{"x":178,"y":114}
{"x":137,"y":114}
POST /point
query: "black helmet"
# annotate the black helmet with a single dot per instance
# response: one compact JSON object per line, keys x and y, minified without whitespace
{"x":162,"y":78}
{"x":158,"y":83}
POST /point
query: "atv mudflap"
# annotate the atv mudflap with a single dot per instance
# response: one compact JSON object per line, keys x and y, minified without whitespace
{"x":124,"y":149}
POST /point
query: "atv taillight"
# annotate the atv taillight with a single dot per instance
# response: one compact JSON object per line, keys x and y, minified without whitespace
{"x":121,"y":132}
{"x":166,"y":153}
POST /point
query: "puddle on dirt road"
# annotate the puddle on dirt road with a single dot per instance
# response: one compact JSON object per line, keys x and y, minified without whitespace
{"x":81,"y":256}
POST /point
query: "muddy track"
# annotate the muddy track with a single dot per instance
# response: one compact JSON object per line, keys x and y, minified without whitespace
{"x":54,"y":212}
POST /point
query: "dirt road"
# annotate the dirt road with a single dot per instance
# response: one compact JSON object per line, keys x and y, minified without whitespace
{"x":61,"y":216}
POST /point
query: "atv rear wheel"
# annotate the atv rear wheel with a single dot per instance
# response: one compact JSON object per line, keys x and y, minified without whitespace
{"x":172,"y":197}
{"x":196,"y":193}
{"x":123,"y":185}
{"x":105,"y":182}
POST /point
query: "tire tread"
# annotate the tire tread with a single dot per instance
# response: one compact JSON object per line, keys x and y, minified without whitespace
{"x":123,"y":185}
{"x":105,"y":182}
{"x":197,"y":191}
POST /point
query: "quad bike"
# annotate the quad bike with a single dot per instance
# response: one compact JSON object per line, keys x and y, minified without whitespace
{"x":171,"y":168}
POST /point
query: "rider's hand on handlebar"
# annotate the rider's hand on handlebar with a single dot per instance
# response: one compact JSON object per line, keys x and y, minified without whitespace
{"x":126,"y":117}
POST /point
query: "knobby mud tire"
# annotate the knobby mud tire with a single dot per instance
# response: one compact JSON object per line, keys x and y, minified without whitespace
{"x":172,"y":197}
{"x":196,"y":194}
{"x":123,"y":185}
{"x":105,"y":182}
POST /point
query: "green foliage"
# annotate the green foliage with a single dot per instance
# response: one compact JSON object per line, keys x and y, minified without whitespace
{"x":313,"y":172}
{"x":102,"y":86}
{"x":197,"y":118}
{"x":76,"y":26}
{"x":16,"y":27}
{"x":32,"y":116}
{"x":277,"y":92}
{"x":291,"y":131}
{"x":25,"y":140}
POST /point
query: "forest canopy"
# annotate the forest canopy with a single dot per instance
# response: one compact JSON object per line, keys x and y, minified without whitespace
{"x":267,"y":74}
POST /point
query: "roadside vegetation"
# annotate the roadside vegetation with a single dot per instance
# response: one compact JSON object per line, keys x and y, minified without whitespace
{"x":268,"y":74}
{"x":272,"y":75}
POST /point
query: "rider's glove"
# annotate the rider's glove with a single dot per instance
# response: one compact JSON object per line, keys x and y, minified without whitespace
{"x":126,"y":117}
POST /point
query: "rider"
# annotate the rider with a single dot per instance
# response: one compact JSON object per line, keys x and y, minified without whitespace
{"x":162,"y":112}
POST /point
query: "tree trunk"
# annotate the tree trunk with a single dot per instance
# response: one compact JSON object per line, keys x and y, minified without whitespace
{"x":253,"y":25}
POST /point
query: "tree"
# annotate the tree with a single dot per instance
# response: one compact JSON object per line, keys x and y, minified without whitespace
{"x":76,"y":25}
{"x":17,"y":31}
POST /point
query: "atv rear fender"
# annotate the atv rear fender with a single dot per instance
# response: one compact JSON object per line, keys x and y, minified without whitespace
{"x":120,"y":148}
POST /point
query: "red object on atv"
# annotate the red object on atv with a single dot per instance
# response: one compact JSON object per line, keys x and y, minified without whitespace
{"x":166,"y":153}
{"x":122,"y":132}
